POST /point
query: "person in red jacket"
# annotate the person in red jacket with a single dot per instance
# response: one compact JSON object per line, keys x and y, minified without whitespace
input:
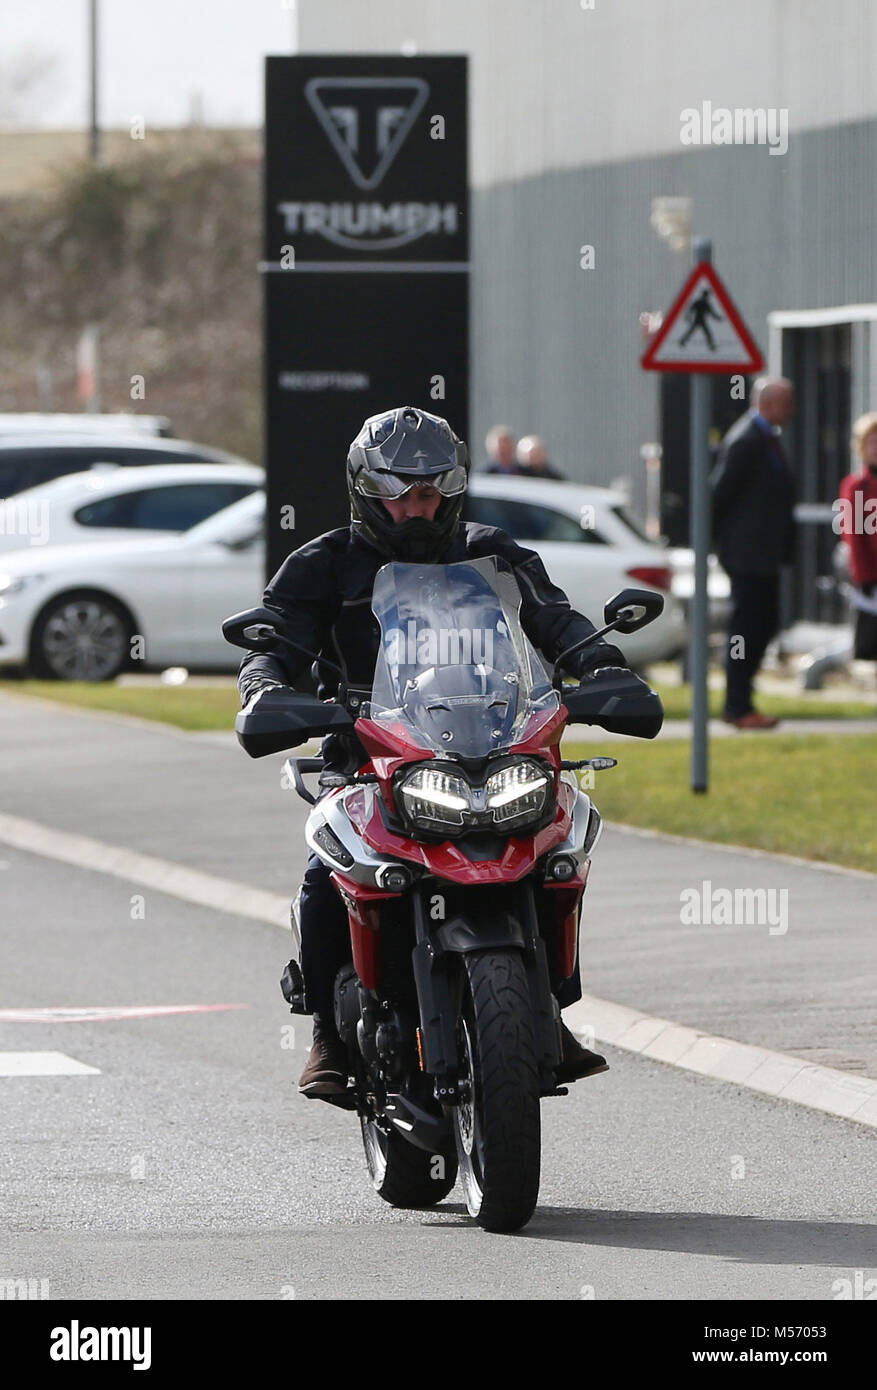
{"x":857,"y":513}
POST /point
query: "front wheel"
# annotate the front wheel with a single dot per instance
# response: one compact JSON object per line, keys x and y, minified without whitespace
{"x":497,"y":1123}
{"x":403,"y":1175}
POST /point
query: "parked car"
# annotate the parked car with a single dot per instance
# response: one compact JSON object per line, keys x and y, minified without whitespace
{"x":718,"y":586}
{"x":592,"y":545}
{"x":26,"y":460}
{"x":72,"y":611}
{"x":108,"y":502}
{"x":51,"y":422}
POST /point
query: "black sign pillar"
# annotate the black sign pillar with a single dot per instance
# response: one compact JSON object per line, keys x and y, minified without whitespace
{"x":366,"y":267}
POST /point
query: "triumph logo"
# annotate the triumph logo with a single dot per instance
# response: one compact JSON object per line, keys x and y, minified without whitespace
{"x":360,"y":225}
{"x":367,"y":120}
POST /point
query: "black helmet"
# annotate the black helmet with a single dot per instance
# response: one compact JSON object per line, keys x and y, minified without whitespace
{"x":391,"y":452}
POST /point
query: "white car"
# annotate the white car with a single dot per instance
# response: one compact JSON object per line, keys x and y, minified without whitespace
{"x":108,"y":502}
{"x":83,"y":422}
{"x":592,"y":545}
{"x":79,"y":612}
{"x":29,"y":460}
{"x":718,"y":585}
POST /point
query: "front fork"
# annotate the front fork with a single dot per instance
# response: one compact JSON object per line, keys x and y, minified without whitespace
{"x":436,"y":962}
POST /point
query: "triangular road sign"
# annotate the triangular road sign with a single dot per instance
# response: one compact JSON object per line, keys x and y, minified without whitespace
{"x":703,"y":332}
{"x":367,"y":119}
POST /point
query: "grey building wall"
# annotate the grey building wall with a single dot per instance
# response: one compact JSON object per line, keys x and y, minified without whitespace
{"x":556,"y":348}
{"x":575,"y":127}
{"x":556,"y":86}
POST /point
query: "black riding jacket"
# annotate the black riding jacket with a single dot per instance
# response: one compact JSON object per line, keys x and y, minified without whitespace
{"x":323,"y":592}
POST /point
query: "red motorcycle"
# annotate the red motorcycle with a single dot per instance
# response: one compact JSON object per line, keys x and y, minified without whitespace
{"x":461,"y":850}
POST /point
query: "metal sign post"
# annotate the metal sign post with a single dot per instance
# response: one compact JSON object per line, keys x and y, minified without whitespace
{"x":703,"y":334}
{"x":700,"y":544}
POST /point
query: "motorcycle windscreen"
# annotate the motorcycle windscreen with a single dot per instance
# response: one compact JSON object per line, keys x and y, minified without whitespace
{"x":455,"y":666}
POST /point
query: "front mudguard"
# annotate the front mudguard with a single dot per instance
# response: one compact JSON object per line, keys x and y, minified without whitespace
{"x":437,"y":969}
{"x":460,"y":934}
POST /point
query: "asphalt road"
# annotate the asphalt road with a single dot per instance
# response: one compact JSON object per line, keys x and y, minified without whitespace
{"x":197,"y":800}
{"x":186,"y":1166}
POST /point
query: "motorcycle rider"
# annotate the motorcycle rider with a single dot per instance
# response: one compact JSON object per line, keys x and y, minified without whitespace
{"x":407,"y":474}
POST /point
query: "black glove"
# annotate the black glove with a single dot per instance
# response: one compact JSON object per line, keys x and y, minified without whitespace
{"x":868,"y":590}
{"x":260,"y":692}
{"x":590,"y":659}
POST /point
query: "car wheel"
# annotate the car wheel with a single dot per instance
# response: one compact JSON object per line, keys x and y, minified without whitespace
{"x":81,"y":637}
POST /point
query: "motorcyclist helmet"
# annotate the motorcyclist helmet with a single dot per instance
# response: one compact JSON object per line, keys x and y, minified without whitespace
{"x":394,"y":452}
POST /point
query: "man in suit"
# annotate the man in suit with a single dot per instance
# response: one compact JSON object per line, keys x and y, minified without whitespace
{"x":754,"y":535}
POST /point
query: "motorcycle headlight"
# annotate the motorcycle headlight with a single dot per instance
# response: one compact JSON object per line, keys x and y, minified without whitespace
{"x":437,"y":800}
{"x":434,"y":799}
{"x":517,"y":793}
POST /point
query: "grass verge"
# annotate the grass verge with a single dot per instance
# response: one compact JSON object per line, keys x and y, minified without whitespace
{"x":677,"y":705}
{"x":215,"y":706}
{"x":809,"y":794}
{"x":188,"y":707}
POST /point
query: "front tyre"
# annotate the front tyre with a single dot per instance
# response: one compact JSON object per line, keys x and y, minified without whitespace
{"x":497,"y":1123}
{"x":403,"y":1175}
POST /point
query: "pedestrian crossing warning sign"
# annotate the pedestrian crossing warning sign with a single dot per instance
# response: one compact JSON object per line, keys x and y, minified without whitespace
{"x":703,"y":332}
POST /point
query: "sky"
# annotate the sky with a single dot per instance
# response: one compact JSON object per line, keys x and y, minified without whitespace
{"x":162,"y":60}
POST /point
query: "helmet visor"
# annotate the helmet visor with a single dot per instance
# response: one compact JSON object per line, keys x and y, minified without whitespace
{"x":392,"y":486}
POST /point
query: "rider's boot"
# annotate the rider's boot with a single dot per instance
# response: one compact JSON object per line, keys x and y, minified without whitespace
{"x":325,"y":1072}
{"x":577,"y":1062}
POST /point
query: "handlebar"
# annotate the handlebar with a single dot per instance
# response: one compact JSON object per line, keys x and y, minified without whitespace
{"x":298,"y":768}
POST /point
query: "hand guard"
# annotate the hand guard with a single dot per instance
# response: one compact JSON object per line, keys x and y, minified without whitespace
{"x":616,"y":699}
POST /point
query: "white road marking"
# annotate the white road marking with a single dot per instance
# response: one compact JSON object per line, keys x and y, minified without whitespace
{"x":207,"y":890}
{"x":772,"y":1073}
{"x":43,"y":1064}
{"x":100,"y":1013}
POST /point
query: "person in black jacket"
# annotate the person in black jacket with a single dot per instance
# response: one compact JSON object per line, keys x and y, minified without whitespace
{"x":533,"y":459}
{"x":754,"y":535}
{"x":407,"y":474}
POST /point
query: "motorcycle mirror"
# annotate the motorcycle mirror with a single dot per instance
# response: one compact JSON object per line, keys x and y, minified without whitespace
{"x":254,"y":629}
{"x":258,"y":629}
{"x":631,"y":609}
